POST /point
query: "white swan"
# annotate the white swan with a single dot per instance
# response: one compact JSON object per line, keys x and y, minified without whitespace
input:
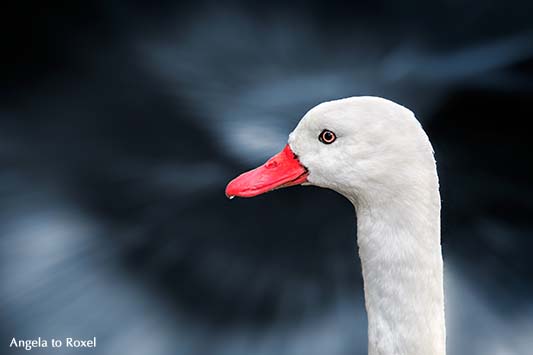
{"x":375,"y":153}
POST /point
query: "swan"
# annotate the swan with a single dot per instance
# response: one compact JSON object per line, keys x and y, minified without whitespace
{"x":375,"y":153}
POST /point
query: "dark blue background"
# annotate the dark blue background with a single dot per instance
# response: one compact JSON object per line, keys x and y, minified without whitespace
{"x":122,"y":121}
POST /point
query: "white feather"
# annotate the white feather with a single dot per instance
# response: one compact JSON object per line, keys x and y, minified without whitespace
{"x":382,"y":161}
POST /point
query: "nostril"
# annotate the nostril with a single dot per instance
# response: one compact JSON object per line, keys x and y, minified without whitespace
{"x":271,"y":164}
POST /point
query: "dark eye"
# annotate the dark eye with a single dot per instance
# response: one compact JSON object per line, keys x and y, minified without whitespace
{"x":327,"y":137}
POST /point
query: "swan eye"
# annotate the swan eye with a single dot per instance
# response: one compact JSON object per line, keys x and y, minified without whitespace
{"x":327,"y":137}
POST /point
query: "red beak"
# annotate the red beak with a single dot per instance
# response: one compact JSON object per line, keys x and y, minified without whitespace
{"x":282,"y":170}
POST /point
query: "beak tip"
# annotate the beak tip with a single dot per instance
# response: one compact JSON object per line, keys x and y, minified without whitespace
{"x":231,"y":191}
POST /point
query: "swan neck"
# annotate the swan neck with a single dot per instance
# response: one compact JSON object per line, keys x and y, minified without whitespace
{"x":400,"y":251}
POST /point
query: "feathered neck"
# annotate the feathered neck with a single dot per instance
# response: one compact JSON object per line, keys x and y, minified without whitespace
{"x":400,"y":251}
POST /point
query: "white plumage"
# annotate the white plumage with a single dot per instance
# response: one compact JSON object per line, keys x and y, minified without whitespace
{"x":382,"y":161}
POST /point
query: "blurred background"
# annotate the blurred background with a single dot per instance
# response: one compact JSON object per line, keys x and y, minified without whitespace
{"x":122,"y":121}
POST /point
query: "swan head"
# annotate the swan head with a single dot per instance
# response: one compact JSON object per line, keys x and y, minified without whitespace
{"x":361,"y":147}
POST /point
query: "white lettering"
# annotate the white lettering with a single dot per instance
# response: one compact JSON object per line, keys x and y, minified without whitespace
{"x":80,"y":343}
{"x":28,"y":344}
